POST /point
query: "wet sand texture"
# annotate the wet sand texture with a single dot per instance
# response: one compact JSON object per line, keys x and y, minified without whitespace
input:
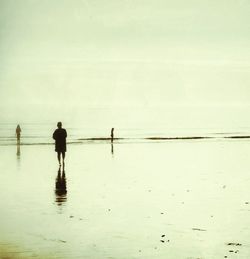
{"x":184,"y":199}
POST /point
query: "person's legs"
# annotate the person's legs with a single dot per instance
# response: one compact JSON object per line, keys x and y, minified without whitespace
{"x":59,"y":157}
{"x":63,"y":156}
{"x":18,"y":138}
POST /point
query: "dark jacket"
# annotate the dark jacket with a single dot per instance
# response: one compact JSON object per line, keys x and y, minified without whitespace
{"x":60,"y":136}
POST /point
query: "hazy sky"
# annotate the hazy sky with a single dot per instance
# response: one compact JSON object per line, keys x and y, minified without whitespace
{"x":64,"y":54}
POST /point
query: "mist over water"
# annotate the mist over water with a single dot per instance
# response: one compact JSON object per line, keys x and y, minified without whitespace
{"x":136,"y":123}
{"x":123,"y":63}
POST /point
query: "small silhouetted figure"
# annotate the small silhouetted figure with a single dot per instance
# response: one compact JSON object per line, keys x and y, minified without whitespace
{"x":18,"y":133}
{"x":61,"y":187}
{"x":112,"y":134}
{"x":60,"y":136}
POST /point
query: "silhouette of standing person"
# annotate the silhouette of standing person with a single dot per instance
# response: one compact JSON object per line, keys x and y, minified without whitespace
{"x":60,"y":136}
{"x":18,"y":133}
{"x":112,"y":134}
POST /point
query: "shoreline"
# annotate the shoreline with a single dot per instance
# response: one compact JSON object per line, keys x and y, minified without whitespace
{"x":127,"y":140}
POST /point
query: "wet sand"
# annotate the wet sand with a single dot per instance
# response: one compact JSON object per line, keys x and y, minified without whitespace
{"x":171,"y":199}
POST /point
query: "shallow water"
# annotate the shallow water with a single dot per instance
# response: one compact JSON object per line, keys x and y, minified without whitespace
{"x":181,"y":199}
{"x":41,"y":133}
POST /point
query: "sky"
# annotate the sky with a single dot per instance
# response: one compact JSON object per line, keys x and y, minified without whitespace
{"x":67,"y":56}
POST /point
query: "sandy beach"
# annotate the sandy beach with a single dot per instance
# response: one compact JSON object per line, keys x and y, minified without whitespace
{"x":163,"y":199}
{"x":168,"y":83}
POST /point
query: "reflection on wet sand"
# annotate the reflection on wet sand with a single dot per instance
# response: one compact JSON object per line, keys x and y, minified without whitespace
{"x":61,"y":187}
{"x":112,"y":149}
{"x":18,"y":152}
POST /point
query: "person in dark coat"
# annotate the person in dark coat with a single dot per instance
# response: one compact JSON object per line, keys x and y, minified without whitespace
{"x":60,"y":136}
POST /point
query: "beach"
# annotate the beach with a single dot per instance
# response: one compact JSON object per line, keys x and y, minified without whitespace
{"x":151,"y":199}
{"x":154,"y":97}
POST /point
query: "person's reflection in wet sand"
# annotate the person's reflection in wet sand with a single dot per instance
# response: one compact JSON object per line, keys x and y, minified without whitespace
{"x":18,"y":152}
{"x":61,"y":187}
{"x":112,"y":149}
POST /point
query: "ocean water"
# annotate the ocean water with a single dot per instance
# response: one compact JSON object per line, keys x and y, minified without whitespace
{"x":131,"y":124}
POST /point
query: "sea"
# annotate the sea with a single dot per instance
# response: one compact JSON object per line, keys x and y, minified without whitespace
{"x":132,"y":125}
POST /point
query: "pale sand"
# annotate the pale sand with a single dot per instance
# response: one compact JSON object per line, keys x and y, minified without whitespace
{"x":194,"y":195}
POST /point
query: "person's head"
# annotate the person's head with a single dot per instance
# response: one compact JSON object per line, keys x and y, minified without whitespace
{"x":59,"y":125}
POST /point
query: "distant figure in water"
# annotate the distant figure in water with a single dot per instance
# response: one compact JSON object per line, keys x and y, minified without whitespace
{"x":112,"y":134}
{"x":60,"y":136}
{"x":18,"y":133}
